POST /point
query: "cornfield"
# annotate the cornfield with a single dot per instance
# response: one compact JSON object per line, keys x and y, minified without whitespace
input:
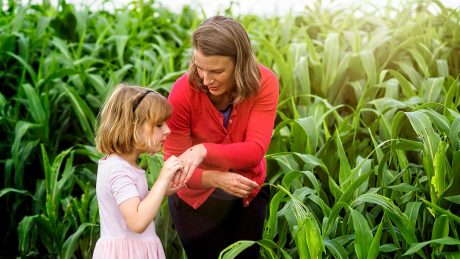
{"x":364,"y":160}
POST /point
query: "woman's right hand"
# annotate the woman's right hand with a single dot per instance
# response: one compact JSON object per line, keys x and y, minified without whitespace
{"x":231,"y":183}
{"x":170,"y":167}
{"x":191,"y":159}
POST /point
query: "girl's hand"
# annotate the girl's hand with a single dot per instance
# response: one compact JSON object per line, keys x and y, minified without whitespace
{"x":171,"y":167}
{"x":171,"y":189}
{"x":191,"y":159}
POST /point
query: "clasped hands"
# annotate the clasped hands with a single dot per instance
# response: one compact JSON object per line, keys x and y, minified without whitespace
{"x":232,"y":183}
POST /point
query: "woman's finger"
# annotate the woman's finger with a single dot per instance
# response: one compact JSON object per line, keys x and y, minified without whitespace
{"x":176,"y":179}
{"x":249,"y":183}
{"x":182,"y":177}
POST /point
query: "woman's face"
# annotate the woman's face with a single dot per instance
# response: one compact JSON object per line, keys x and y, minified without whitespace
{"x":217,"y":73}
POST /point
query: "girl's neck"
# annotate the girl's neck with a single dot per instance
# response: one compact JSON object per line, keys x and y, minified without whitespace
{"x":131,"y":158}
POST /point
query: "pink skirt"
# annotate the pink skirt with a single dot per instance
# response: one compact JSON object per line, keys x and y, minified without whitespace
{"x":128,"y":249}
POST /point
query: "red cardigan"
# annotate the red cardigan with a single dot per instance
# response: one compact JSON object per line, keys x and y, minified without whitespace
{"x":240,"y":147}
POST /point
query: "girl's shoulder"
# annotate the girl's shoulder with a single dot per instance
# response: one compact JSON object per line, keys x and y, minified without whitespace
{"x":115,"y":163}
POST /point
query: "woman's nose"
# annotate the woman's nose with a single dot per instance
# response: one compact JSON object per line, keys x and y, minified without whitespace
{"x":207,"y":79}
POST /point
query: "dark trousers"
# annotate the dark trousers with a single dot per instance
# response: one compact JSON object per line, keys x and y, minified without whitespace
{"x":216,"y":224}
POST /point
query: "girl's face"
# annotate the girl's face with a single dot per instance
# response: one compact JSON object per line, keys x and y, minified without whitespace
{"x":154,"y":136}
{"x":217,"y":73}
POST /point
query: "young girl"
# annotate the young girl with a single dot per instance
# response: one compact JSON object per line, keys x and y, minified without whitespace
{"x":131,"y":122}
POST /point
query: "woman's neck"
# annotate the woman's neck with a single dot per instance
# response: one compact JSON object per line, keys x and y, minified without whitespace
{"x":221,"y":102}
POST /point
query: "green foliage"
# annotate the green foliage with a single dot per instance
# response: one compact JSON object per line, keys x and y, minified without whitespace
{"x":365,"y":153}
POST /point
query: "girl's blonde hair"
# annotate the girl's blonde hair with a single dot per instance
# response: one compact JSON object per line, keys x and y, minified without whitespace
{"x":123,"y":114}
{"x":224,"y":36}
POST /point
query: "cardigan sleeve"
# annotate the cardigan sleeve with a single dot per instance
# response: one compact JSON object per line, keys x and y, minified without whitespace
{"x":179,"y":123}
{"x":259,"y":130}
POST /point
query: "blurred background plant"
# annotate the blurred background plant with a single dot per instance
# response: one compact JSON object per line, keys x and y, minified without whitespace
{"x":365,"y":156}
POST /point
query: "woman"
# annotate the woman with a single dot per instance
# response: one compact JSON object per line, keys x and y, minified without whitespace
{"x":223,"y":116}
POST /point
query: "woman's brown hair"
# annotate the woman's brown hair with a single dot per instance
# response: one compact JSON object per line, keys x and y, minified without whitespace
{"x":123,"y":114}
{"x":223,"y":36}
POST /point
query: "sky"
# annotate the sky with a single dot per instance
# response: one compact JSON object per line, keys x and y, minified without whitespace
{"x":259,"y":7}
{"x":278,"y":7}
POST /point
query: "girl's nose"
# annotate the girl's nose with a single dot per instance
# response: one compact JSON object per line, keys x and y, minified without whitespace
{"x":166,"y":130}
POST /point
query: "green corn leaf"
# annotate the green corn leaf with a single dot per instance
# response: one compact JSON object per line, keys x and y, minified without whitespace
{"x":422,"y":126}
{"x":62,"y":46}
{"x":407,"y":88}
{"x":443,"y":241}
{"x":344,"y":200}
{"x":374,"y":248}
{"x":337,"y":250}
{"x":369,"y":65}
{"x":440,"y":227}
{"x":24,"y":231}
{"x":235,"y":249}
{"x":454,"y":134}
{"x":313,"y":237}
{"x":305,"y":134}
{"x":34,"y":104}
{"x":72,"y":243}
{"x":84,"y":114}
{"x":330,"y":61}
{"x":26,"y":65}
{"x":271,"y":227}
{"x":441,"y":210}
{"x":420,"y":60}
{"x":413,"y":75}
{"x":345,"y":169}
{"x":440,"y":169}
{"x":432,"y":89}
{"x":363,"y":234}
{"x":270,"y":245}
{"x":403,"y":187}
{"x":412,"y":212}
{"x":442,"y":67}
{"x":401,"y":220}
{"x":455,"y":199}
{"x":5,"y":191}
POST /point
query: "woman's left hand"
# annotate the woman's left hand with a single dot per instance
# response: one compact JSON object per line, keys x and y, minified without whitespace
{"x":190,"y":159}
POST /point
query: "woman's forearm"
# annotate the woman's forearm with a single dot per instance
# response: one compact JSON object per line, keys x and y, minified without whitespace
{"x":208,"y":179}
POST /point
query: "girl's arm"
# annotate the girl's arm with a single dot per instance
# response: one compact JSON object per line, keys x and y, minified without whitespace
{"x":138,"y":214}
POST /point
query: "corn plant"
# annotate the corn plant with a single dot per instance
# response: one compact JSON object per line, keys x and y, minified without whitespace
{"x":364,"y":157}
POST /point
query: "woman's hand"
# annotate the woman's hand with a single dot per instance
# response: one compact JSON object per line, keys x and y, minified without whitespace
{"x":231,"y":183}
{"x":190,"y":159}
